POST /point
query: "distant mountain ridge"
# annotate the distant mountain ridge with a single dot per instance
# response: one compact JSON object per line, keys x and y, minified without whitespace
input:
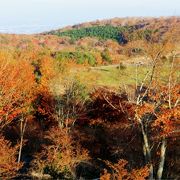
{"x":143,"y":22}
{"x":118,"y":35}
{"x":121,"y":30}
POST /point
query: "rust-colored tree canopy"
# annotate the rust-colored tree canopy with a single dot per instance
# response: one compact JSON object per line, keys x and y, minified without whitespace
{"x":99,"y":100}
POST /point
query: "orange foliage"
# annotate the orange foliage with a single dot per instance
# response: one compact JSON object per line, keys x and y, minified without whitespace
{"x":8,"y":163}
{"x":119,"y":172}
{"x":62,"y":153}
{"x":145,"y":108}
{"x":167,"y":123}
{"x":17,"y":86}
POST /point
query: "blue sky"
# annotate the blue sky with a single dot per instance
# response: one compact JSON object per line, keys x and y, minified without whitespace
{"x":31,"y":16}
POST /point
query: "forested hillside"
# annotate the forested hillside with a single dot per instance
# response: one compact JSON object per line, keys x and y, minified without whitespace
{"x":99,"y":100}
{"x":117,"y":27}
{"x":108,"y":32}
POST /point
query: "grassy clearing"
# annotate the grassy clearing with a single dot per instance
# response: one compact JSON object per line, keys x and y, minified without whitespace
{"x":116,"y":77}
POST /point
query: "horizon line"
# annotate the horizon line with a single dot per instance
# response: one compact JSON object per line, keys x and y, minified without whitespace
{"x":5,"y":30}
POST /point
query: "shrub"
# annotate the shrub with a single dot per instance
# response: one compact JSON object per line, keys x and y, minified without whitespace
{"x":71,"y":104}
{"x":121,"y":66}
{"x":61,"y":157}
{"x":106,"y":56}
{"x":119,"y":172}
{"x":79,"y":56}
{"x":8,"y":162}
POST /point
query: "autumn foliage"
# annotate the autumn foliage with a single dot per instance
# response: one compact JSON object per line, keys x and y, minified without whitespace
{"x":57,"y":125}
{"x":17,"y":88}
{"x":120,"y":172}
{"x":8,"y":163}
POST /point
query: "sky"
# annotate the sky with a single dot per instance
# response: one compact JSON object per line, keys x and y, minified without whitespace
{"x":33,"y":16}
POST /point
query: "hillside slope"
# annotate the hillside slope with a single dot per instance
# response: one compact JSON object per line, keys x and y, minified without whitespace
{"x":113,"y":28}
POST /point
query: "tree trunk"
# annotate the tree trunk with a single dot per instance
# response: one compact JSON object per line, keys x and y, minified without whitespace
{"x":162,"y":159}
{"x":20,"y":149}
{"x":22,"y":130}
{"x":146,"y":149}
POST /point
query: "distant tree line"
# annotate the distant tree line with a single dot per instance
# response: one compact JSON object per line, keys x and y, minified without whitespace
{"x":122,"y":34}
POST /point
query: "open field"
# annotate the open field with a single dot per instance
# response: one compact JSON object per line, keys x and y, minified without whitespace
{"x":119,"y":75}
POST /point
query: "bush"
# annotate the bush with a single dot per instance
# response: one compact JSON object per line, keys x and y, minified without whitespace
{"x":71,"y":105}
{"x":106,"y":56}
{"x":79,"y":56}
{"x":121,"y":66}
{"x":8,"y":162}
{"x":61,"y":157}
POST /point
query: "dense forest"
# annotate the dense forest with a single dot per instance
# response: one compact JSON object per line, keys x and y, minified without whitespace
{"x":104,"y":32}
{"x":99,"y":100}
